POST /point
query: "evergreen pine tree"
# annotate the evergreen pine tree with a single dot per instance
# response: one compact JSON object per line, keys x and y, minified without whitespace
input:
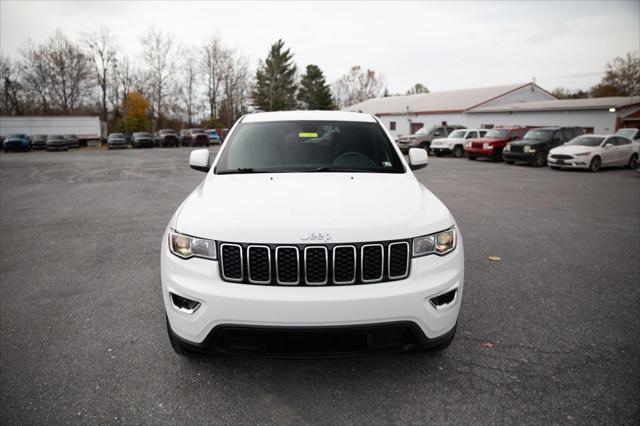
{"x":275,"y":88}
{"x":314,"y":92}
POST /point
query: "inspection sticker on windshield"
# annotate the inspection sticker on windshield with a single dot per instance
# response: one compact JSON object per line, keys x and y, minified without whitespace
{"x":386,"y":164}
{"x":307,"y":135}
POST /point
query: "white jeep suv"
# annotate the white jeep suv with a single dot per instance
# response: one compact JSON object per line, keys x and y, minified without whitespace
{"x":310,"y":236}
{"x":456,"y":142}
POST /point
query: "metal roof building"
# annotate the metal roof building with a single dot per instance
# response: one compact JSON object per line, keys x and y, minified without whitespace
{"x":406,"y":114}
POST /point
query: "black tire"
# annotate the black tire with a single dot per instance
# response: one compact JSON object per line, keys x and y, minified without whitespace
{"x":510,"y":162}
{"x":539,"y":159}
{"x":458,"y":151}
{"x":175,"y":343}
{"x":472,"y":158}
{"x":633,"y":162}
{"x":555,"y":168}
{"x":496,"y":156}
{"x":445,"y":343}
{"x":595,"y":164}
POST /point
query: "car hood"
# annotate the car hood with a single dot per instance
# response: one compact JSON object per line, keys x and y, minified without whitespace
{"x":529,"y":142}
{"x":489,"y":140}
{"x":572,"y":149}
{"x":449,"y":140}
{"x":283,"y":208}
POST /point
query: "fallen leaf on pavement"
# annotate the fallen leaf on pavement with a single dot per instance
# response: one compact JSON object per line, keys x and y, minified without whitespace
{"x":488,"y":345}
{"x":496,"y":258}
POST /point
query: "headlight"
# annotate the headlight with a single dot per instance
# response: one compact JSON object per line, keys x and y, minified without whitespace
{"x":485,"y":146}
{"x":440,"y":243}
{"x":186,"y":247}
{"x":528,"y":149}
{"x":507,"y":148}
{"x":582,"y":154}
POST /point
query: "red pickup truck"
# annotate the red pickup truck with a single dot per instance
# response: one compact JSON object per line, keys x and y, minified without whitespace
{"x":493,"y":143}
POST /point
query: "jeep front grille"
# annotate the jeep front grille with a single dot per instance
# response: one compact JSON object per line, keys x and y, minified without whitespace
{"x":314,"y":265}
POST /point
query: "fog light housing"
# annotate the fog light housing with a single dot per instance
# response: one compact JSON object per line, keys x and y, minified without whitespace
{"x":183,"y":304}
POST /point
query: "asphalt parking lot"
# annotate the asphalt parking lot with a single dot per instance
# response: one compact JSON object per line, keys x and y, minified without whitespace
{"x":548,"y":334}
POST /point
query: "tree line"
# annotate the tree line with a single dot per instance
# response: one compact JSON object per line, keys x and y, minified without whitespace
{"x":209,"y":85}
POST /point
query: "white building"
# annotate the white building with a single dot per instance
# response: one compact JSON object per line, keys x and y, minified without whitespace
{"x":406,"y":114}
{"x":595,"y":115}
{"x":516,"y":104}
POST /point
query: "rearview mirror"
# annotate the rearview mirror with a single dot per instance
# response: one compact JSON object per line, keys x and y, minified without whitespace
{"x":199,"y":160}
{"x":418,"y":158}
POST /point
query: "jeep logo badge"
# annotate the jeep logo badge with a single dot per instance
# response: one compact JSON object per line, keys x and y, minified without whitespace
{"x":315,"y":237}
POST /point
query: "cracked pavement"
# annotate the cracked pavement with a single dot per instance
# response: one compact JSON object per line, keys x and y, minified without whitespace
{"x":83,"y":341}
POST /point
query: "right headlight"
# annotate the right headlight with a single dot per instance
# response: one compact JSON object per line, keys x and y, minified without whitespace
{"x":439,"y":243}
{"x":186,"y":246}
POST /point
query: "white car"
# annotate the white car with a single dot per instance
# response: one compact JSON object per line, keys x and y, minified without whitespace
{"x":593,"y":152}
{"x":310,"y":235}
{"x":456,"y":142}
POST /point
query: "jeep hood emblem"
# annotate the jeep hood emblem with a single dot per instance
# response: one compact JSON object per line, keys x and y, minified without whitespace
{"x":315,"y":237}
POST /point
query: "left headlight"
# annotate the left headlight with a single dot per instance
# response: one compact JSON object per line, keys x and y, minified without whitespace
{"x":186,"y":246}
{"x":440,"y":243}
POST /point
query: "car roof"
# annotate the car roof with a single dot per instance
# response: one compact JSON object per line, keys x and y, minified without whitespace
{"x":262,"y":117}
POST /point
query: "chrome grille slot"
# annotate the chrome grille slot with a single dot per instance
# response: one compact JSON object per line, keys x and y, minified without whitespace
{"x":231,"y":262}
{"x":316,"y":265}
{"x":372,"y":263}
{"x":259,"y":264}
{"x":398,"y":260}
{"x":344,"y":265}
{"x":287,"y":265}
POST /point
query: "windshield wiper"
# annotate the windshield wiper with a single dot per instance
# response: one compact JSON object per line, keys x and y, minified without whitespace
{"x":339,"y":169}
{"x":238,"y":170}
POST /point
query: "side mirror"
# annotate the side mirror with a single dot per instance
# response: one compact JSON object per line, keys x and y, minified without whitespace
{"x":418,"y":158}
{"x":608,"y":144}
{"x":199,"y":160}
{"x":436,"y":134}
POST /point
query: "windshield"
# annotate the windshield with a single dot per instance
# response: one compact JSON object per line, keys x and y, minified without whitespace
{"x":626,"y":132}
{"x":309,"y":146}
{"x":55,"y":137}
{"x":142,"y":135}
{"x":539,"y":134}
{"x":16,"y":136}
{"x":165,"y":131}
{"x":458,"y":134}
{"x":497,"y":134}
{"x":116,"y":136}
{"x":197,"y":131}
{"x":586,"y":141}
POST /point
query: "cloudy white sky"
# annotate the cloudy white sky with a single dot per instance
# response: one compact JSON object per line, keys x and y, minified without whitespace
{"x":444,"y":45}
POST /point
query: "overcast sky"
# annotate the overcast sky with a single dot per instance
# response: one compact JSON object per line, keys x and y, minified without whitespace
{"x":444,"y":45}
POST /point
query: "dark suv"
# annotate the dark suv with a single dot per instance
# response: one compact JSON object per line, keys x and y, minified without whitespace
{"x":195,"y":137}
{"x":535,"y":145}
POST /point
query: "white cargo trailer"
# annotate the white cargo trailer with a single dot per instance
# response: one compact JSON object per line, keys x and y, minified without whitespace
{"x":87,"y":129}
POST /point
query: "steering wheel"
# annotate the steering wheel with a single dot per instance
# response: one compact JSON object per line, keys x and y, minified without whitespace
{"x":353,"y":159}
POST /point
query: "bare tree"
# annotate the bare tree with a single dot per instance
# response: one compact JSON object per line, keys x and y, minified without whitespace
{"x":236,"y":88}
{"x":127,"y":81}
{"x":36,"y":77}
{"x":11,"y":96}
{"x":102,"y":48}
{"x":211,"y":65}
{"x":158,"y":55}
{"x":358,"y":86}
{"x":188,"y":82}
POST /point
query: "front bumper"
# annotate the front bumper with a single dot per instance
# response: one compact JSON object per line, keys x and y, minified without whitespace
{"x":518,"y":156}
{"x":57,"y":146}
{"x":225,"y":304}
{"x":573,"y":163}
{"x":478,"y":152}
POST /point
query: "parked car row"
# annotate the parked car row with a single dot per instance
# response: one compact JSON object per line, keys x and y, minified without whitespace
{"x":164,"y":138}
{"x":23,"y":142}
{"x":559,"y":147}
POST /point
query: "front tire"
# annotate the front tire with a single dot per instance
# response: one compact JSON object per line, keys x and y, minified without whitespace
{"x":473,"y":158}
{"x":633,"y":162}
{"x":458,"y":151}
{"x":595,"y":164}
{"x":539,"y":159}
{"x":510,"y":162}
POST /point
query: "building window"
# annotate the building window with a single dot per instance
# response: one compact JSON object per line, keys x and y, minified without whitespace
{"x":392,"y":125}
{"x":486,"y":126}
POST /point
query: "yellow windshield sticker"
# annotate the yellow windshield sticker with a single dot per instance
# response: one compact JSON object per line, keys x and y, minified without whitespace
{"x":307,"y":135}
